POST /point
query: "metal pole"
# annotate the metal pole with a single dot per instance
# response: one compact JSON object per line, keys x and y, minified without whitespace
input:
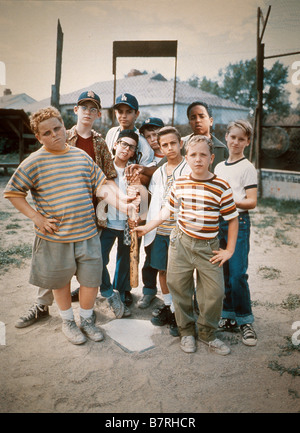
{"x":174,"y":92}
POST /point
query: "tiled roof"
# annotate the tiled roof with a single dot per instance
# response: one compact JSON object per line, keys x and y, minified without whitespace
{"x":149,"y":89}
{"x":15,"y":101}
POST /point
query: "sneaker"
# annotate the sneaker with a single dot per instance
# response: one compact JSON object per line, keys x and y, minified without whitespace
{"x":156,"y":311}
{"x":35,"y":313}
{"x":249,"y":337}
{"x":188,"y":343}
{"x":127,"y":312}
{"x":75,"y":295}
{"x":128,"y":299}
{"x":116,"y":304}
{"x":227,"y":325}
{"x":173,"y":326}
{"x":72,"y":332}
{"x":145,"y":301}
{"x":89,"y":328}
{"x":217,"y":346}
{"x":163,"y":317}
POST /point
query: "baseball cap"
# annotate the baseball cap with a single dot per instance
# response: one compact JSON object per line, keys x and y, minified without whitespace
{"x":129,"y":133}
{"x":127,"y":99}
{"x":151,"y":121}
{"x":89,"y":95}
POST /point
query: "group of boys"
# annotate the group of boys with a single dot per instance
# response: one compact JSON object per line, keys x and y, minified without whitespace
{"x":76,"y":173}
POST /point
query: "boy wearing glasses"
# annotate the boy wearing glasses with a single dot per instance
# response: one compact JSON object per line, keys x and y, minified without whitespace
{"x":124,"y":150}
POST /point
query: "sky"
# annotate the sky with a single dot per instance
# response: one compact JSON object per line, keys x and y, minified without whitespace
{"x":210,"y":34}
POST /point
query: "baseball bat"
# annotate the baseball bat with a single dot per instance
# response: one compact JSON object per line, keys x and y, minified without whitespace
{"x":134,"y":260}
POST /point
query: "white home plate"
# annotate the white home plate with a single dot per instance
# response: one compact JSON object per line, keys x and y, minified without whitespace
{"x":131,"y":335}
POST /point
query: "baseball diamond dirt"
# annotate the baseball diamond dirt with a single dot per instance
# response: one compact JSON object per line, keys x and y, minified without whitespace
{"x":42,"y":372}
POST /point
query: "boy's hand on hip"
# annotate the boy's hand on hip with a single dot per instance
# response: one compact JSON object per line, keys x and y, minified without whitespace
{"x":46,"y":225}
{"x":220,"y":256}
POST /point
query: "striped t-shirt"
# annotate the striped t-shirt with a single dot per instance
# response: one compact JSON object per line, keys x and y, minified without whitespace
{"x":200,"y":203}
{"x":62,"y":186}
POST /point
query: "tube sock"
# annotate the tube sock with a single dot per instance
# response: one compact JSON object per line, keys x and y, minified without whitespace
{"x":85,"y":314}
{"x":67,"y":314}
{"x":167,"y":299}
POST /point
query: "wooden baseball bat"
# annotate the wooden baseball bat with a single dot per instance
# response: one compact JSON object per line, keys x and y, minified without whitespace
{"x":134,"y":260}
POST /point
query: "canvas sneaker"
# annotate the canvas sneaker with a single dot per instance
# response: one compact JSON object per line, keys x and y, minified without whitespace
{"x":163,"y":317}
{"x":89,"y":328}
{"x":145,"y":301}
{"x":35,"y":313}
{"x":116,"y":304}
{"x":188,"y":343}
{"x":173,"y":326}
{"x":127,"y":311}
{"x":72,"y":332}
{"x":217,"y":346}
{"x":227,"y":325}
{"x":249,"y":337}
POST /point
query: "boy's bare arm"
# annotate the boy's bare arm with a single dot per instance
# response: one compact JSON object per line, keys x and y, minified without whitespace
{"x":112,"y":197}
{"x":46,"y":225}
{"x":163,"y":215}
{"x":223,"y":255}
{"x":250,"y":201}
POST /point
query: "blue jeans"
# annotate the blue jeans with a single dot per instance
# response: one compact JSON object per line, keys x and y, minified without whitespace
{"x":121,"y":280}
{"x":149,"y":275}
{"x":237,"y":302}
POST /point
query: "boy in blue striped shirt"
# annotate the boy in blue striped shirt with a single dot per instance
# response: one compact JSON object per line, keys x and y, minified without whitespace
{"x":63,"y":180}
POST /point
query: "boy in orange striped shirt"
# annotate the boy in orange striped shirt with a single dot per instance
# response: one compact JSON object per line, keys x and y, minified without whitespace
{"x":198,"y":199}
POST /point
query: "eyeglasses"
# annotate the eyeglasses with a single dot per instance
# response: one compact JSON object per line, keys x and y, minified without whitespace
{"x":92,"y":110}
{"x":131,"y":147}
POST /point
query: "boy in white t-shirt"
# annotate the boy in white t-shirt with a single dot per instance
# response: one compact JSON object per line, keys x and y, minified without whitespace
{"x":125,"y":149}
{"x":242,"y":177}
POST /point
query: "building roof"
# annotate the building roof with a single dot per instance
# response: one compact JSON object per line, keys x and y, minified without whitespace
{"x":149,"y":89}
{"x":16,"y":102}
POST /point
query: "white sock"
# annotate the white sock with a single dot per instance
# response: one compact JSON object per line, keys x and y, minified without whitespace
{"x":67,"y":314}
{"x":172,"y":308}
{"x":85,"y":314}
{"x":167,"y":299}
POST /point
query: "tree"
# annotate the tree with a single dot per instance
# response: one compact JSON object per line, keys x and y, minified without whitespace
{"x":237,"y":82}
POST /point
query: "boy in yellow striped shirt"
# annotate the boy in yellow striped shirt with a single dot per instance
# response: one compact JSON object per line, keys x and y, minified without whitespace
{"x":198,"y":199}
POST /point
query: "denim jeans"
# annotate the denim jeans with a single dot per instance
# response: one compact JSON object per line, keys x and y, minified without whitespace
{"x":121,"y":281}
{"x":149,"y":275}
{"x":237,"y":302}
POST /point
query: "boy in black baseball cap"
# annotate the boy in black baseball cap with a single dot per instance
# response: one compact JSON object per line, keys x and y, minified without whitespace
{"x":89,"y":95}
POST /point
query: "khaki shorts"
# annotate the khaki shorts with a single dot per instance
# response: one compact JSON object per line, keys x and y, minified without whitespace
{"x":54,"y":264}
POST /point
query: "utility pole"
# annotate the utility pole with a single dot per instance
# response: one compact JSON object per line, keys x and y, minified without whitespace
{"x":260,"y":55}
{"x":55,"y":88}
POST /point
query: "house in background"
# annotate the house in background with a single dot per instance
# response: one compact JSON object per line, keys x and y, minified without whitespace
{"x":16,"y":102}
{"x":155,"y":96}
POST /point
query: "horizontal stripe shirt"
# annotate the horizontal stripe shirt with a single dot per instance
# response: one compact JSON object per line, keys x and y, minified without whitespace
{"x":62,"y":185}
{"x":199,"y":204}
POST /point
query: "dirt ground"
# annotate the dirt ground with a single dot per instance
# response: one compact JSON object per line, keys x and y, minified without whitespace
{"x":43,"y":373}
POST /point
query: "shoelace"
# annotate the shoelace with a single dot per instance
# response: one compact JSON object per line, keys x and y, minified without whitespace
{"x":32,"y":312}
{"x":248,"y":331}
